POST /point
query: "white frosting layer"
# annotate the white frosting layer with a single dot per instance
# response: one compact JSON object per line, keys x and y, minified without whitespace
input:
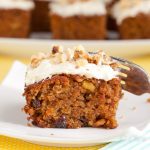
{"x":46,"y":69}
{"x":120,"y":12}
{"x":93,"y":7}
{"x":19,"y":4}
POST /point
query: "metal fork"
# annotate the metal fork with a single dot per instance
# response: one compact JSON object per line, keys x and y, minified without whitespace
{"x":135,"y":79}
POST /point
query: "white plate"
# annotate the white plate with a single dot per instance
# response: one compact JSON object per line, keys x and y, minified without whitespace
{"x":119,"y":48}
{"x":133,"y":116}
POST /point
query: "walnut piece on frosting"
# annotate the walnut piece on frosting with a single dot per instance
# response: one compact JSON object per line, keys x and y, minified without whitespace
{"x":77,"y":55}
{"x":36,"y":59}
{"x":57,"y":49}
{"x":79,"y":52}
{"x":96,"y":58}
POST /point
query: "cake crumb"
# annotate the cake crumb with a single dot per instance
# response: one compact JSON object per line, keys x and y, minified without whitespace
{"x":29,"y":124}
{"x":148,"y":100}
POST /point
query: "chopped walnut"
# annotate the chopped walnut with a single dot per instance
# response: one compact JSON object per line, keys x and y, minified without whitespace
{"x":97,"y":58}
{"x":57,"y":49}
{"x":78,"y":55}
{"x":88,"y":86}
{"x":36,"y":59}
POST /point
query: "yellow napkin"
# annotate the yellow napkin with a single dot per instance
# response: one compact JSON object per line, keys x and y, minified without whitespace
{"x":7,"y":143}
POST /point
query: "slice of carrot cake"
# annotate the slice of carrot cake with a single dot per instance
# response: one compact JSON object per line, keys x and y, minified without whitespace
{"x":71,"y":89}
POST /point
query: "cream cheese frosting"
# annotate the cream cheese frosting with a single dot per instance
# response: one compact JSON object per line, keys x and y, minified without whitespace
{"x":19,"y":4}
{"x":70,"y":61}
{"x":129,"y":8}
{"x":79,"y":7}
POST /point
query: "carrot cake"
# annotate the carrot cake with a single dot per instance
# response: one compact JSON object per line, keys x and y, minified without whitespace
{"x":15,"y":17}
{"x":133,"y":18}
{"x":71,"y":89}
{"x":40,"y":21}
{"x":78,"y":19}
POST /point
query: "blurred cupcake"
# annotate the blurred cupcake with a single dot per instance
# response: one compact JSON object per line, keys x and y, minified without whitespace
{"x":15,"y":18}
{"x":78,"y":19}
